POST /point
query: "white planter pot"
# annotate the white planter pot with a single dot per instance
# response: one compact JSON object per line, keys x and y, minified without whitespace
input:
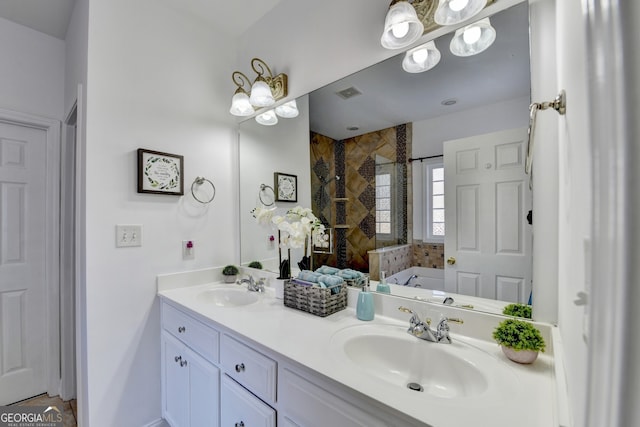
{"x":523,"y":356}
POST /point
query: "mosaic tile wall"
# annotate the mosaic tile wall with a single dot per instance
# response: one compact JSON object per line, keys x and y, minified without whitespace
{"x":348,"y":204}
{"x":390,"y":260}
{"x":429,"y":255}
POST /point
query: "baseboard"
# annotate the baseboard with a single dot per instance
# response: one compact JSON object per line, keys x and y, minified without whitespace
{"x":158,"y":423}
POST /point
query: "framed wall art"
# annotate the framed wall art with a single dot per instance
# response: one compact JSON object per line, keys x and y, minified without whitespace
{"x":160,"y":173}
{"x":286,"y":187}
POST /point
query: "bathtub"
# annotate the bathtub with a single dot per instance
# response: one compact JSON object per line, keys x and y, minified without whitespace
{"x":428,"y":278}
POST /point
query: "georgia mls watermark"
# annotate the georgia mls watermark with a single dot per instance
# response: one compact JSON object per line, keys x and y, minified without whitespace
{"x":30,"y":416}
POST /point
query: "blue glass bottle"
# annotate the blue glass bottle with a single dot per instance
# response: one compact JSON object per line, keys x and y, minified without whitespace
{"x":365,"y":309}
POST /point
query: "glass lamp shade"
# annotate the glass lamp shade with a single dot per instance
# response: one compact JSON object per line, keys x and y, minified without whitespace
{"x":268,"y":118}
{"x":288,"y":110}
{"x":421,"y":58}
{"x":240,"y":105}
{"x":450,"y":12}
{"x":473,"y":39}
{"x":261,"y":95}
{"x":401,"y":26}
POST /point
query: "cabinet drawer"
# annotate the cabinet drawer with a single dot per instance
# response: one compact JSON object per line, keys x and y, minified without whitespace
{"x":241,"y":408}
{"x":193,"y":333}
{"x":250,"y":368}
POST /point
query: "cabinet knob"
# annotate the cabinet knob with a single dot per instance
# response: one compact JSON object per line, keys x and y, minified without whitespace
{"x":177,"y":358}
{"x":181,"y":329}
{"x":240,"y":368}
{"x":240,"y":424}
{"x":183,"y":363}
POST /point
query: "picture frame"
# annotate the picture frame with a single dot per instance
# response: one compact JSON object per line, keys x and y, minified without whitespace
{"x":160,"y":173}
{"x":286,"y":187}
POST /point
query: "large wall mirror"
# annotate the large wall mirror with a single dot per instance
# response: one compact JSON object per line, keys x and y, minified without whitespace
{"x":357,"y":136}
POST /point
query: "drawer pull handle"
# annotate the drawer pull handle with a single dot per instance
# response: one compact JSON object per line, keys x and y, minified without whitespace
{"x":183,"y":363}
{"x":181,"y":329}
{"x":240,"y":424}
{"x":240,"y":368}
{"x":177,"y":358}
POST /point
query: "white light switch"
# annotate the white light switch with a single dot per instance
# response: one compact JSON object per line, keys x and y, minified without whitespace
{"x":128,"y":235}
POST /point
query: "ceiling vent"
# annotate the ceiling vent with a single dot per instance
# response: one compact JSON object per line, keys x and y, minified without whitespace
{"x":349,"y":92}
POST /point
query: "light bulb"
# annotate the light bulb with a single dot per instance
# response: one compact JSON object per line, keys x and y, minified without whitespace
{"x":458,"y":5}
{"x":472,"y":35}
{"x":420,"y":56}
{"x":400,"y":30}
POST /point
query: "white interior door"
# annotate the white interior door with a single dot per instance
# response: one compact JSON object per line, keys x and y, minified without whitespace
{"x":23,"y":305}
{"x":487,"y":198}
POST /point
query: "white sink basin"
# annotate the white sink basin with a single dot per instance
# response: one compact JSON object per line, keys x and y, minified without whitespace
{"x":418,"y":367}
{"x":228,"y":297}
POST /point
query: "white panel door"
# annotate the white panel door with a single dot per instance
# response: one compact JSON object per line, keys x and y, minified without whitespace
{"x":487,"y":198}
{"x":23,"y":327}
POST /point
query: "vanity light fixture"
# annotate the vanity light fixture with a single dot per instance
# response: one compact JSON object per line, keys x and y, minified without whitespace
{"x":268,"y":118}
{"x":401,"y":26}
{"x":473,"y":39}
{"x":451,"y":12}
{"x":265,"y":90}
{"x":421,"y":58}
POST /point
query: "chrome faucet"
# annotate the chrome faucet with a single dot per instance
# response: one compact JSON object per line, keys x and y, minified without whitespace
{"x":252,"y":285}
{"x":415,"y":276}
{"x":423,"y":330}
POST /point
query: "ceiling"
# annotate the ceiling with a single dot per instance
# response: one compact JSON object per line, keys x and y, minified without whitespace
{"x":390,"y":96}
{"x":52,"y":16}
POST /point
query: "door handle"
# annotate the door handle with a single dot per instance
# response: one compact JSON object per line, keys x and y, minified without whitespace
{"x":451,"y":260}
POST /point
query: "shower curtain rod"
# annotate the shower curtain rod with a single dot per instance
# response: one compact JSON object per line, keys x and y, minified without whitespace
{"x":424,"y":158}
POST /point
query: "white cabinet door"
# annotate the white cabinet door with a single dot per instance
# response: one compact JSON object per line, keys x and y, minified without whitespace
{"x":204,"y":395}
{"x":239,"y":408}
{"x":175,"y":383}
{"x":190,"y":385}
{"x":487,"y":198}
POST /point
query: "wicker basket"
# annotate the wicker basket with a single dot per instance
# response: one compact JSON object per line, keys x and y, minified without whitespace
{"x":313,"y":299}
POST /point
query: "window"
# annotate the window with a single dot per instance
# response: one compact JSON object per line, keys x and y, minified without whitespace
{"x":434,"y":202}
{"x":383,"y":203}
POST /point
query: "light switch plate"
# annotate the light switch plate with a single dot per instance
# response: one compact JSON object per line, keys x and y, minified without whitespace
{"x":128,"y":236}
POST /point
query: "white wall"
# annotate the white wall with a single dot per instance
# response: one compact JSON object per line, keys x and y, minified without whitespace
{"x":32,"y":71}
{"x":154,"y":81}
{"x":428,"y":136}
{"x":263,"y":151}
{"x":574,"y":198}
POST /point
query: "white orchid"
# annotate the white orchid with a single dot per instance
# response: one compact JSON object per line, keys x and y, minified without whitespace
{"x":297,"y":225}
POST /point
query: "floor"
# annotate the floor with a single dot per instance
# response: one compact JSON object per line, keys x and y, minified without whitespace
{"x":69,"y":408}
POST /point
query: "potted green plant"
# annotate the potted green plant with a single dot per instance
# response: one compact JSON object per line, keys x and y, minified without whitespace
{"x":517,"y":310}
{"x":255,"y":264}
{"x":230,"y":272}
{"x":520,"y":340}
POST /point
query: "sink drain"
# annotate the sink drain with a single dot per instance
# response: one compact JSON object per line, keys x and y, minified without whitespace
{"x":415,"y":387}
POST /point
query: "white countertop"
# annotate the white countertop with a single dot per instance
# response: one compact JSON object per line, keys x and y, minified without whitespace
{"x":528,"y":402}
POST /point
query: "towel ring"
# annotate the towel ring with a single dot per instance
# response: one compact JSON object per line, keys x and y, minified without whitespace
{"x":263,"y":187}
{"x":199,"y":181}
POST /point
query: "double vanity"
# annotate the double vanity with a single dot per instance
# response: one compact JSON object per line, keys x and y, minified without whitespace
{"x":231,"y":357}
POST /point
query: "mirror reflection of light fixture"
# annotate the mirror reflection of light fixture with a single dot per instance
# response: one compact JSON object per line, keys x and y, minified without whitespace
{"x":268,"y":118}
{"x":473,"y":39}
{"x":421,"y":58}
{"x":451,"y":12}
{"x":288,"y":110}
{"x":401,"y":26}
{"x":265,"y":91}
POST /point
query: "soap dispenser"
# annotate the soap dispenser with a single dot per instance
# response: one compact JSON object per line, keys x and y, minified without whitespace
{"x":365,"y":310}
{"x":383,"y":287}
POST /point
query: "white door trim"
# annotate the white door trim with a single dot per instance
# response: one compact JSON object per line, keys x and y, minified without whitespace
{"x":52,"y":129}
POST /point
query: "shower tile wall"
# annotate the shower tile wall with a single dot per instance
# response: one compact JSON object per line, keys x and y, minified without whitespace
{"x":354,"y":218}
{"x":429,"y":255}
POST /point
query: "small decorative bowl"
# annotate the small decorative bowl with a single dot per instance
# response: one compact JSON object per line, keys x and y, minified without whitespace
{"x":523,"y":356}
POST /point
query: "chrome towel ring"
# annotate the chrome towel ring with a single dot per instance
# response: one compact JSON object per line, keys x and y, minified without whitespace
{"x":198,"y":182}
{"x":559,"y":104}
{"x":270,"y":198}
